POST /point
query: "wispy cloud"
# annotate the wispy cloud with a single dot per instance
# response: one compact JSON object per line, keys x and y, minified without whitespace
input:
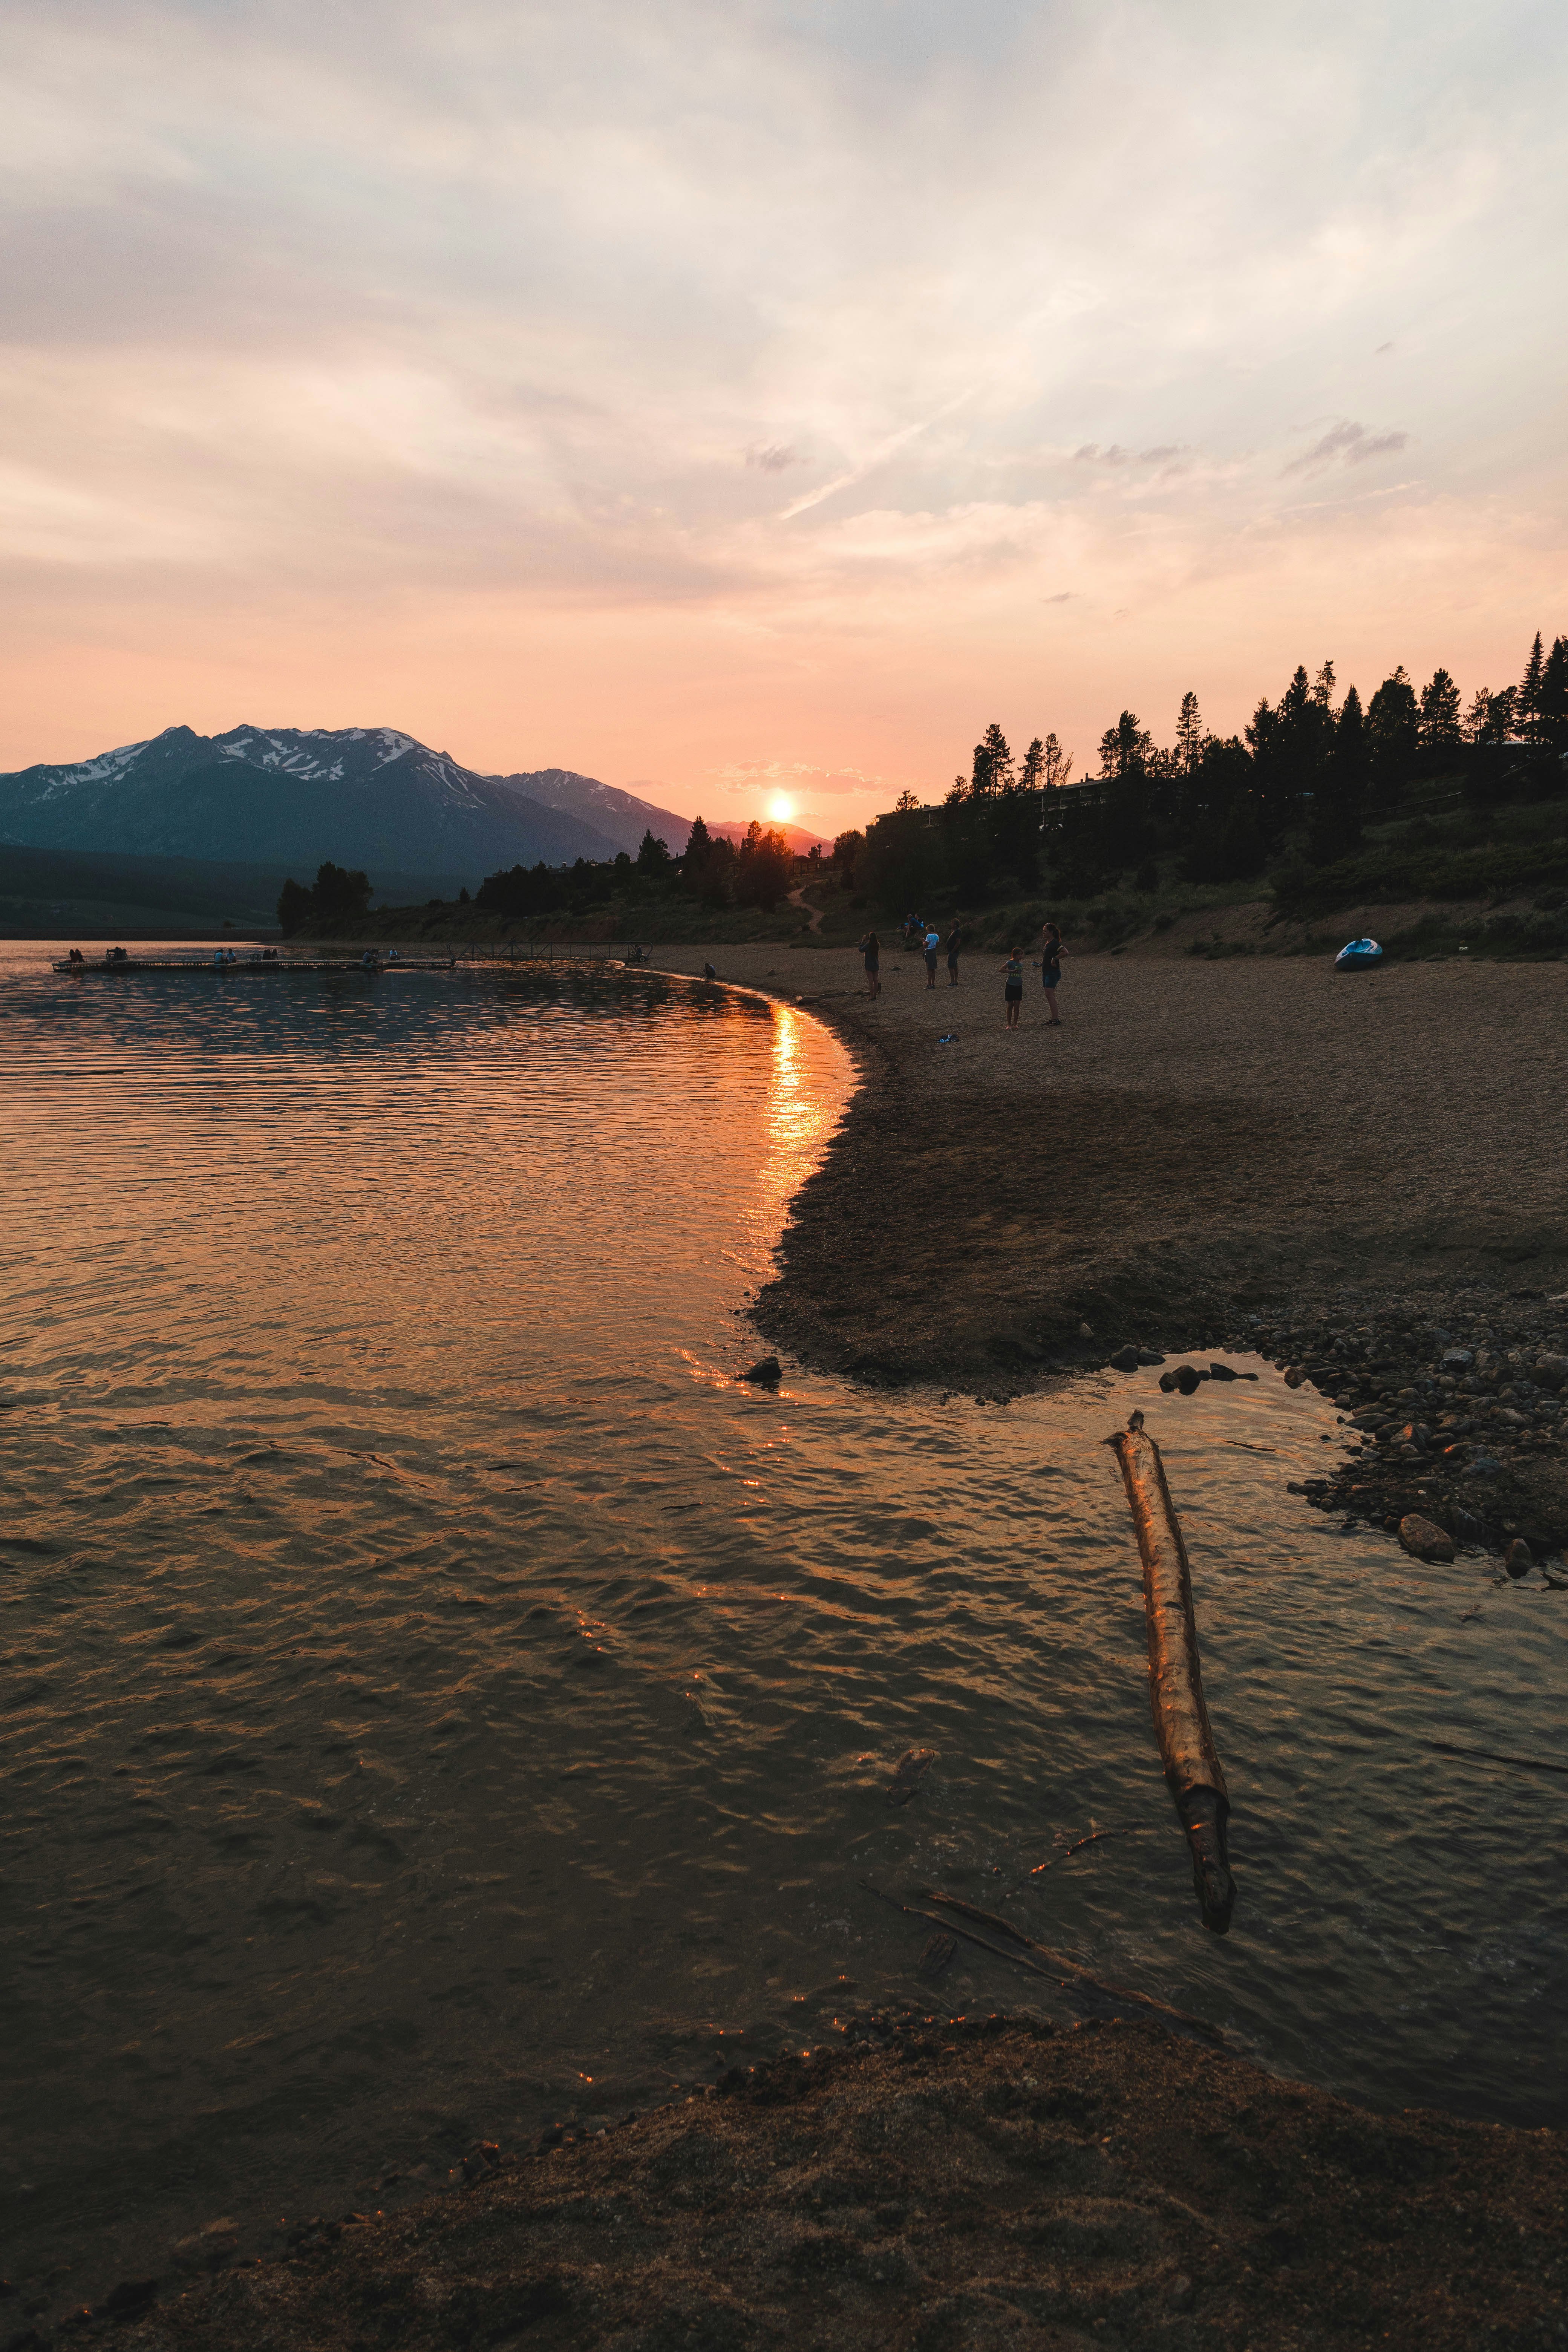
{"x":1346,"y":443}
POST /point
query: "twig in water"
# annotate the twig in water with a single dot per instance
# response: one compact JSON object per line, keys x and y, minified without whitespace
{"x":1491,"y":1756}
{"x":1125,"y":1828}
{"x":1063,"y":1972}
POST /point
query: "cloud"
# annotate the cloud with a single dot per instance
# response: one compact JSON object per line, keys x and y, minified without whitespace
{"x":774,"y":459}
{"x":1063,"y":596}
{"x":1349,"y":443}
{"x":1092,"y":454}
{"x":748,"y":777}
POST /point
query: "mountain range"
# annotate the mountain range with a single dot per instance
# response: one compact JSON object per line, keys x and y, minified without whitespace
{"x":371,"y":797}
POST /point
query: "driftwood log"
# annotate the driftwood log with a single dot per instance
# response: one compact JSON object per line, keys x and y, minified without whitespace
{"x":1175,"y":1680}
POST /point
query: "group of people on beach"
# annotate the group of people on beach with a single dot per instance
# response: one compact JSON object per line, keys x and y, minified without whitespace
{"x":1048,"y":963}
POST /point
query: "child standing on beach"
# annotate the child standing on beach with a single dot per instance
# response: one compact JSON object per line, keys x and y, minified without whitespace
{"x":1051,"y":969}
{"x":1012,"y":985}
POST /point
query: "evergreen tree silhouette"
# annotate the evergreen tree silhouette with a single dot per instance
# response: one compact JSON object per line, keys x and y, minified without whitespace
{"x":1527,"y":700}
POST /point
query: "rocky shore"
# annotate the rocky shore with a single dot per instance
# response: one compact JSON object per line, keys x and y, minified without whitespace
{"x":930,"y":2184}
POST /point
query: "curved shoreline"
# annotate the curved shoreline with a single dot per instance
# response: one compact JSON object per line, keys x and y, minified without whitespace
{"x":636,"y":2241}
{"x":1263,"y":1158}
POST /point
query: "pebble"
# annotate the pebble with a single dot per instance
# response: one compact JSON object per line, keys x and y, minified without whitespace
{"x":1519,"y":1559}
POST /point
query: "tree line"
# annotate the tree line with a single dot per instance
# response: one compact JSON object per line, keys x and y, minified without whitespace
{"x":1307,"y":772}
{"x":758,"y":872}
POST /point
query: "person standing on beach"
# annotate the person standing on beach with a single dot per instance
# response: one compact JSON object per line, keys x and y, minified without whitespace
{"x":870,"y":948}
{"x":933,"y":942}
{"x":1052,"y":952}
{"x":1013,"y":987}
{"x":955,"y":941}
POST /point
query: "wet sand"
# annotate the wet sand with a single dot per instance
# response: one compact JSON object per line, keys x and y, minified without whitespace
{"x":947,"y":2186}
{"x":1197,"y":1142}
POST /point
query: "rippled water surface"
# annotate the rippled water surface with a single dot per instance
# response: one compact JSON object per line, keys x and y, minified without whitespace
{"x":442,"y":1698}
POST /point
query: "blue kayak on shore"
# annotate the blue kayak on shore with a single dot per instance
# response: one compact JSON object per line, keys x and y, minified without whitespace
{"x":1358,"y":955}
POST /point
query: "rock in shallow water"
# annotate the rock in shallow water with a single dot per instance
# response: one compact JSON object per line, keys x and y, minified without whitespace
{"x":765,"y":1374}
{"x":1423,"y":1539}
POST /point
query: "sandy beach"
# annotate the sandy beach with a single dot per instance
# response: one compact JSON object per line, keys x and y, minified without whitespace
{"x":1197,"y":1141}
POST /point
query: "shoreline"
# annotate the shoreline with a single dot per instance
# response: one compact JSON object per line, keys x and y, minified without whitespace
{"x":1193,"y":1193}
{"x":637,"y":2241}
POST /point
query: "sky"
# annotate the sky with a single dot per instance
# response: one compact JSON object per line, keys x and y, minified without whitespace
{"x":746,"y":402}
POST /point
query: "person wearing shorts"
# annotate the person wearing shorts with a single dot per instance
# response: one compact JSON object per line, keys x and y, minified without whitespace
{"x":1052,"y":952}
{"x":871,"y":949}
{"x":933,"y":944}
{"x":1013,"y":986}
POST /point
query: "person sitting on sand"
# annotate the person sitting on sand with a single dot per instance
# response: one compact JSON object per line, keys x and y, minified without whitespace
{"x":955,"y":941}
{"x":933,"y":945}
{"x":1051,"y":969}
{"x":1013,"y":989}
{"x":870,"y":948}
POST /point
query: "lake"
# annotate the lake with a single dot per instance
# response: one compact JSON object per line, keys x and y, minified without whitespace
{"x":444,"y":1700}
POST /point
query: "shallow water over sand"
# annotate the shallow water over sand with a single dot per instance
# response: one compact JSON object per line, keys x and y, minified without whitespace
{"x":443,"y":1699}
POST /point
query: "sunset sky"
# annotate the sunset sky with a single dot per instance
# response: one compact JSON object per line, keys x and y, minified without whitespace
{"x":739,"y":400}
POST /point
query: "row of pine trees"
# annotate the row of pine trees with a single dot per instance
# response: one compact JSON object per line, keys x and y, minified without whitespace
{"x":1312,"y":768}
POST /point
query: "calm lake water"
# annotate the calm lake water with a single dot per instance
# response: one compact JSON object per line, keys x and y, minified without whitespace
{"x":441,"y":1699}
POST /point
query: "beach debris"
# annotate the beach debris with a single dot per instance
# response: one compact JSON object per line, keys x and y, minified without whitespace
{"x":1175,"y":1680}
{"x":765,"y":1374}
{"x":951,"y":1038}
{"x":937,"y":1958}
{"x":1019,"y":1948}
{"x":1519,"y":1559}
{"x":1494,"y":1756}
{"x":1076,"y":1846}
{"x":1423,"y":1539}
{"x":912,"y":1767}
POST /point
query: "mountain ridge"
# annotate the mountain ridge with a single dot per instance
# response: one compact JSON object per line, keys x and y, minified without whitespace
{"x":360,"y":796}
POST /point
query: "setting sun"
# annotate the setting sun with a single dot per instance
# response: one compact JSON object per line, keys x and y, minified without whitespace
{"x":781,"y":808}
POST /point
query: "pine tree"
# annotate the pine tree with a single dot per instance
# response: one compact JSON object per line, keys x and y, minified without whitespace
{"x":1030,"y":774}
{"x":1323,"y":687}
{"x":1337,"y":807}
{"x":1189,"y":734}
{"x":1393,"y":725}
{"x":1440,"y":728}
{"x":906,"y":801}
{"x":1527,"y":699}
{"x":1479,"y":717}
{"x":992,"y":771}
{"x":1056,"y":766}
{"x":1553,"y":714}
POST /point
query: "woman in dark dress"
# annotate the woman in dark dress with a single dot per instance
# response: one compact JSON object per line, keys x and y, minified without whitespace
{"x":1012,"y":985}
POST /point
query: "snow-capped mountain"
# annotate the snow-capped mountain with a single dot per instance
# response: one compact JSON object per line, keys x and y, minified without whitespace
{"x":365,"y":796}
{"x":605,"y":808}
